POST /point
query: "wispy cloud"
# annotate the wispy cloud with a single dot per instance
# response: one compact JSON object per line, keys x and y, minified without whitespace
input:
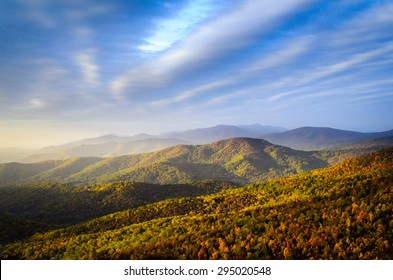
{"x":219,"y":91}
{"x":370,"y":26}
{"x":191,"y":93}
{"x":210,"y":42}
{"x":301,"y":79}
{"x":90,"y":70}
{"x":173,"y":29}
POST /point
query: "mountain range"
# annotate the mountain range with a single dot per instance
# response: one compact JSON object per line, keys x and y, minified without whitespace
{"x":238,"y":160}
{"x":304,"y":138}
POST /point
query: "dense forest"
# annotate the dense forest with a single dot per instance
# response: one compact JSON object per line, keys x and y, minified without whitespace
{"x":340,"y":212}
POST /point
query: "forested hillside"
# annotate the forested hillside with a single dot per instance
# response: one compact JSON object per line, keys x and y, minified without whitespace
{"x":340,"y":212}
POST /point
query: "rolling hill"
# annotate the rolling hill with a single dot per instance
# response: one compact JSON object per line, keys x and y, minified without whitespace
{"x":340,"y":212}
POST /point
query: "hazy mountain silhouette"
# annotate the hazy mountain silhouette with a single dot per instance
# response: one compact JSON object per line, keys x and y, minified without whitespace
{"x":308,"y":138}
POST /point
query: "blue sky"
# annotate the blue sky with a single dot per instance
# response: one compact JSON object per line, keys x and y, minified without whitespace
{"x":71,"y":69}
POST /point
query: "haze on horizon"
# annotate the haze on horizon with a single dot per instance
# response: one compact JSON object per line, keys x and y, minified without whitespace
{"x":75,"y":69}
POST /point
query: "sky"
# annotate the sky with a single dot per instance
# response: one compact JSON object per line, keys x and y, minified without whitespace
{"x":71,"y":69}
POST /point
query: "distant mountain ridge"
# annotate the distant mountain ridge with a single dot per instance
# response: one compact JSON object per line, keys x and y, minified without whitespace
{"x":311,"y":138}
{"x":222,"y":132}
{"x":106,"y":149}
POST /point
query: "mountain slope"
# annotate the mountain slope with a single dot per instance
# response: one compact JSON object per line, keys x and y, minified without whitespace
{"x":240,"y":160}
{"x":341,"y":212}
{"x":374,"y":143}
{"x":14,"y":172}
{"x":309,"y":138}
